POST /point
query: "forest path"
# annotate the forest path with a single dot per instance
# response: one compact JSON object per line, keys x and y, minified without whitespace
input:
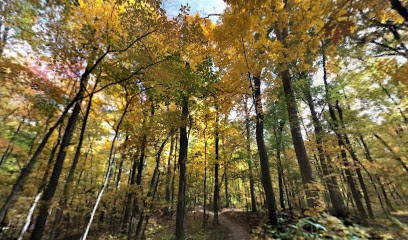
{"x":236,"y":231}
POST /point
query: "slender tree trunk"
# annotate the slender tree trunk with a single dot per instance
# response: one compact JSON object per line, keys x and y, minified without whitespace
{"x":205,"y":179}
{"x":263,"y":155}
{"x":227,"y":197}
{"x":173,"y":178}
{"x":306,"y":172}
{"x":168,"y":176}
{"x":298,"y":143}
{"x":129,"y":196}
{"x":135,"y":207}
{"x":249,"y":157}
{"x":181,"y":201}
{"x":216,"y":170}
{"x":108,"y":172}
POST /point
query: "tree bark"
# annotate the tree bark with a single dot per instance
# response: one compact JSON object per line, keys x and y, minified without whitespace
{"x":263,"y":155}
{"x":298,"y":143}
{"x":216,"y":170}
{"x":181,"y":201}
{"x":249,"y":158}
{"x":168,"y":176}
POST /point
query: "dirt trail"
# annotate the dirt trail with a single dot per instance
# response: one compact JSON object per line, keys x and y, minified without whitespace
{"x":235,"y":230}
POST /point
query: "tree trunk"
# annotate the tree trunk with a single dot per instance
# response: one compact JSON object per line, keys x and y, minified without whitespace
{"x":227,"y":201}
{"x":181,"y":201}
{"x":168,"y":176}
{"x":108,"y":172}
{"x":173,"y":178}
{"x":216,"y":170}
{"x":249,"y":158}
{"x":297,"y":139}
{"x":129,"y":196}
{"x":263,"y":155}
{"x":205,"y":179}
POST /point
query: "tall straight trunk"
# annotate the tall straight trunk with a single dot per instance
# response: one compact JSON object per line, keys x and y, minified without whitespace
{"x":216,"y":170}
{"x":173,"y":178}
{"x":205,"y":180}
{"x":349,"y":177}
{"x":227,"y":197}
{"x":111,"y":162}
{"x":182,"y":161}
{"x":49,"y":191}
{"x":249,"y":158}
{"x":327,"y":167}
{"x":168,"y":176}
{"x":263,"y":155}
{"x":306,"y":172}
{"x":279,"y":162}
{"x":297,"y":139}
{"x":65,"y":194}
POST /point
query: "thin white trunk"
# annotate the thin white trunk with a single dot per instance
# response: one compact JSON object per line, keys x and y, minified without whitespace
{"x":98,"y":199}
{"x":30,"y":215}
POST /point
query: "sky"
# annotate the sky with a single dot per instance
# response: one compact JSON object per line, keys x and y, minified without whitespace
{"x":203,"y":7}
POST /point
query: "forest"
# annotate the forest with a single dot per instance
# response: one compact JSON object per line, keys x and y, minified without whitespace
{"x":268,"y":119}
